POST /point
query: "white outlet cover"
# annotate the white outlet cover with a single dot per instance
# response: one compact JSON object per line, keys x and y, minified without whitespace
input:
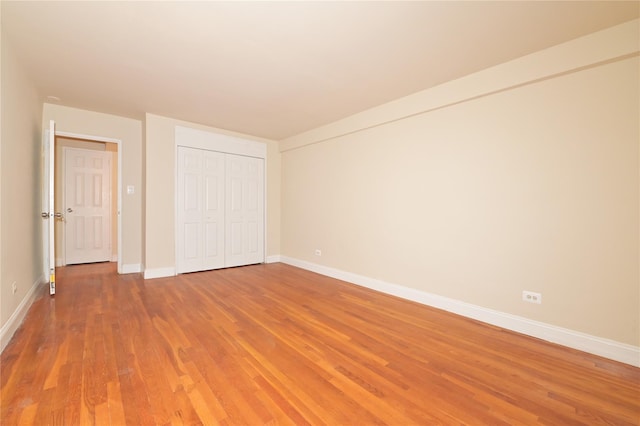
{"x":532,"y":297}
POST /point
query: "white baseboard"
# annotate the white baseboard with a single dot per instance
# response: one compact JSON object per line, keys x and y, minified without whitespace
{"x":14,"y":321}
{"x":272,"y":259}
{"x":611,"y":349}
{"x":159,"y":273}
{"x":131,"y":268}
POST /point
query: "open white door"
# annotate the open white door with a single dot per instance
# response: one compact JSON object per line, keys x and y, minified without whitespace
{"x":48,"y":214}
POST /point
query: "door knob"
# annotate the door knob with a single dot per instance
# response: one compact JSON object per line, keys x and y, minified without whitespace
{"x":69,"y":210}
{"x":45,"y":215}
{"x":58,"y":215}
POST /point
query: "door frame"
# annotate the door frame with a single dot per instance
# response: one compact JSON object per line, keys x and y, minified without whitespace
{"x":118,"y":142}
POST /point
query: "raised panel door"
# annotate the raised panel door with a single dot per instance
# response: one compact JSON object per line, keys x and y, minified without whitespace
{"x":87,"y":206}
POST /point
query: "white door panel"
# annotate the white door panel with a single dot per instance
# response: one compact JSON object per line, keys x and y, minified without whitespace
{"x":212,"y":245}
{"x":245,"y":210}
{"x":191,"y":248}
{"x":87,"y":205}
{"x":252,"y":238}
{"x":199,"y":215}
{"x":48,"y":214}
{"x":213,"y":221}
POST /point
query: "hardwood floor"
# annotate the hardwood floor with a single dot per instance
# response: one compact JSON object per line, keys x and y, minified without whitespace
{"x":273,"y":344}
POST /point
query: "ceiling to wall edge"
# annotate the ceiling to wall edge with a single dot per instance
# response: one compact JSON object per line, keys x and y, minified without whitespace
{"x":612,"y":44}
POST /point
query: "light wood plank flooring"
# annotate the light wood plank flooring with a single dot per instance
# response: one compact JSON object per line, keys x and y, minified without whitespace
{"x":273,"y":344}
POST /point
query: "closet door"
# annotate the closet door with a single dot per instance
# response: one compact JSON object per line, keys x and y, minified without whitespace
{"x":244,"y":210}
{"x":200,"y":210}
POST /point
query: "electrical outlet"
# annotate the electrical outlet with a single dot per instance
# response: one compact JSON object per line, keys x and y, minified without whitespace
{"x":318,"y":252}
{"x":14,"y":287}
{"x":531,"y":297}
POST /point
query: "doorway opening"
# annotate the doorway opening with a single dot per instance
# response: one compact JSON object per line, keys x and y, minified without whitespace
{"x":87,"y":230}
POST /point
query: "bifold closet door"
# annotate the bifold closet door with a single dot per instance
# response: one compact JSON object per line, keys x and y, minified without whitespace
{"x":244,"y":210}
{"x":201,"y":181}
{"x":220,"y":214}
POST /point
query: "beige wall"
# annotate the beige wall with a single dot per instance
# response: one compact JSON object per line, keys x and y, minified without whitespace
{"x":129,"y":132}
{"x":59,"y":189}
{"x":160,"y":191}
{"x":20,"y":171}
{"x":530,"y":187}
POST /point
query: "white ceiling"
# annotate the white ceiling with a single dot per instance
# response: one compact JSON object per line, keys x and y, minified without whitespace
{"x":275,"y":69}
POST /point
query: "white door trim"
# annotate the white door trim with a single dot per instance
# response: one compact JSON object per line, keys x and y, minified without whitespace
{"x":118,"y":142}
{"x":209,"y":141}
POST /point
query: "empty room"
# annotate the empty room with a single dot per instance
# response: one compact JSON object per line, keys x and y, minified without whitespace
{"x":320,"y":213}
